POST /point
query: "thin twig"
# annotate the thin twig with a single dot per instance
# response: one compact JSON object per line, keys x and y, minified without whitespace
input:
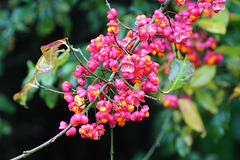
{"x":108,"y":4}
{"x":157,"y":142}
{"x":111,"y":150}
{"x":49,"y":89}
{"x":153,"y":98}
{"x":50,"y":141}
{"x":124,"y":49}
{"x":126,"y":26}
{"x":80,"y":51}
{"x":110,"y":99}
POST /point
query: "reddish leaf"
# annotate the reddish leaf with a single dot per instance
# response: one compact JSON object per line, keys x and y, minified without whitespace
{"x":236,"y":92}
{"x":45,"y":64}
{"x":49,"y":50}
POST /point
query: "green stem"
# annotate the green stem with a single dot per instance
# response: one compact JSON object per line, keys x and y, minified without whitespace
{"x":159,"y":137}
{"x":120,"y":45}
{"x":163,"y":92}
{"x":50,"y":141}
{"x":177,"y":52}
{"x":110,"y":99}
{"x":108,"y":4}
{"x":111,"y":150}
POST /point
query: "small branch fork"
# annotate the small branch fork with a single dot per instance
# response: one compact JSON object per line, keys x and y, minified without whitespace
{"x":48,"y":89}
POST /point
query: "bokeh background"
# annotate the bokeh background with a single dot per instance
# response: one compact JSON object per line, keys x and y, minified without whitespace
{"x":25,"y":25}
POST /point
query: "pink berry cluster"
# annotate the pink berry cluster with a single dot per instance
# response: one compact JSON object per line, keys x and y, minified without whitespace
{"x":204,"y":5}
{"x":126,"y":63}
{"x":199,"y":45}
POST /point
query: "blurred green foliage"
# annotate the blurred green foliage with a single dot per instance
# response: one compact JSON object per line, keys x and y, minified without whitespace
{"x":220,"y":115}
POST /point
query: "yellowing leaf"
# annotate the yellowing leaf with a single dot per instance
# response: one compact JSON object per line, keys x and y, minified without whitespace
{"x":21,"y":97}
{"x":45,"y":64}
{"x":236,"y":92}
{"x":191,"y":115}
{"x":42,"y":66}
{"x":49,"y":50}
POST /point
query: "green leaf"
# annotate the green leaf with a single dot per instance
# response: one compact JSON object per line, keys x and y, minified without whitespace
{"x":64,"y":21}
{"x":45,"y":26}
{"x":234,"y":17}
{"x":31,"y":71}
{"x":180,"y":72}
{"x":236,"y":2}
{"x":222,"y":16}
{"x":235,"y":120}
{"x":206,"y":100}
{"x":6,"y":105}
{"x":232,"y":62}
{"x":228,"y":50}
{"x":186,"y":134}
{"x":181,"y":146}
{"x":61,"y":59}
{"x":49,"y":98}
{"x":46,"y":20}
{"x":191,"y":115}
{"x":219,"y":124}
{"x":5,"y":127}
{"x":47,"y":79}
{"x":203,"y":75}
{"x":212,"y":25}
{"x":212,"y":85}
{"x":22,"y":17}
{"x":219,"y":96}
